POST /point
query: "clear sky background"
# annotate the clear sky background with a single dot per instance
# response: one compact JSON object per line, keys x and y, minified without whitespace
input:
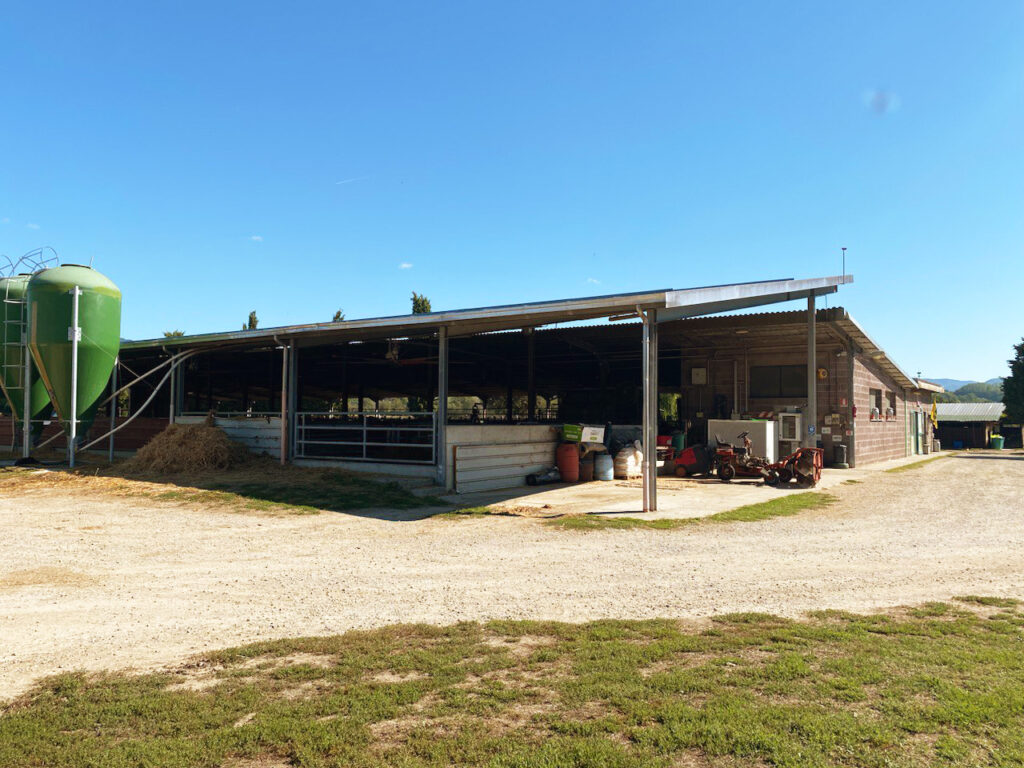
{"x":297,"y":158}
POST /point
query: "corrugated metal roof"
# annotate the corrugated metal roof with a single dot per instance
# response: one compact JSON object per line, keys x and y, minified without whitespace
{"x":969,"y":411}
{"x":497,"y":318}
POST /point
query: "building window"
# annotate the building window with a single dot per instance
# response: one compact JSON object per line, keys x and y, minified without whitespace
{"x":875,"y":401}
{"x":890,"y":410}
{"x":770,"y":381}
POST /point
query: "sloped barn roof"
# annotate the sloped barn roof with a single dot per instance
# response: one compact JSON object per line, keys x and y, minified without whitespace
{"x":985,"y":412}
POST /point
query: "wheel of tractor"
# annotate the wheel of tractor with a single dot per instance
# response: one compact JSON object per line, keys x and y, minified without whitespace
{"x":681,"y":471}
{"x":771,"y":479}
{"x":785,"y":475}
{"x":726,"y":472}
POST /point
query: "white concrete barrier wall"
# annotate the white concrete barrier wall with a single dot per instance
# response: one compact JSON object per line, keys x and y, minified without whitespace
{"x":493,"y":456}
{"x":259,"y":434}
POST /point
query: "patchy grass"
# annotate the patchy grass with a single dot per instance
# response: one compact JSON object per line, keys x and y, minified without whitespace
{"x":261,"y":485}
{"x":601,"y":523}
{"x":940,"y":685}
{"x":916,"y":464}
{"x":780,"y":506}
{"x":471,"y":512}
{"x":997,"y":602}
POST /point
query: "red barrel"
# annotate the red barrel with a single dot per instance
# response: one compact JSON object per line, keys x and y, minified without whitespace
{"x":568,"y":460}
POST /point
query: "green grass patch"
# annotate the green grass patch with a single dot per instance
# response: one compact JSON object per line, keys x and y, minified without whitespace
{"x":939,"y":685}
{"x":781,"y":506}
{"x":916,"y":464}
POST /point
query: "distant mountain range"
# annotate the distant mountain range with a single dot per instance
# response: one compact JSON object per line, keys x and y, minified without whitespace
{"x":952,"y":385}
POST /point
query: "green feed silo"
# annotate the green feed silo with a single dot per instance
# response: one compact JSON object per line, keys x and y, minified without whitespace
{"x":51,"y":304}
{"x":13,"y":316}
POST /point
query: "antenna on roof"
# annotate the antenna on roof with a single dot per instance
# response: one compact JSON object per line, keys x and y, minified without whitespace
{"x":844,"y":262}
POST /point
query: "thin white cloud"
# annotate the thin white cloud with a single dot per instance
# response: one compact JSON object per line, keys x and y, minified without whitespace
{"x":5,"y":220}
{"x":593,"y":281}
{"x":354,"y":178}
{"x":257,"y":238}
{"x":32,"y":226}
{"x":405,"y":265}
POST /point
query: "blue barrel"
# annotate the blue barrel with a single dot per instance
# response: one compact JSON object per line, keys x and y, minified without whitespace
{"x":604,"y":467}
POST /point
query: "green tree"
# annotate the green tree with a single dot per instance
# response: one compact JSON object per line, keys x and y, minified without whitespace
{"x":980,"y":392}
{"x":172,"y":334}
{"x":339,"y":316}
{"x":1013,"y":386}
{"x":252,"y":323}
{"x":420,"y":304}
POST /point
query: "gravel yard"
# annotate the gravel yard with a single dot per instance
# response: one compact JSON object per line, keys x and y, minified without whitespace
{"x":96,"y":583}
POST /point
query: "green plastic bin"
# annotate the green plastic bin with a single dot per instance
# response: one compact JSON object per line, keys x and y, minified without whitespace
{"x":679,"y":441}
{"x":997,"y":442}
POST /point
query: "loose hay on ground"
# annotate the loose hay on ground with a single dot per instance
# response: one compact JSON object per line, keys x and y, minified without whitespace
{"x":188,"y":448}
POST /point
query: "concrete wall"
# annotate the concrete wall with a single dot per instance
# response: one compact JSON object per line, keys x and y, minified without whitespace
{"x":491,"y":456}
{"x":259,"y":434}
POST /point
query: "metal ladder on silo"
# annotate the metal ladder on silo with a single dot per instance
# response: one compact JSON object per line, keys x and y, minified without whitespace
{"x":13,"y":349}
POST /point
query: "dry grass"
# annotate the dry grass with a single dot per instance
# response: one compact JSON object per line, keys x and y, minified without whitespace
{"x":259,"y":484}
{"x":188,"y":448}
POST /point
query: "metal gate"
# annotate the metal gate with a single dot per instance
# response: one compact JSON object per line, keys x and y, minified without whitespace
{"x":402,"y":437}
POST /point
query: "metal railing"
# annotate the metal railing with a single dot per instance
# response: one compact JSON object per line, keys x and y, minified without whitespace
{"x":398,"y":437}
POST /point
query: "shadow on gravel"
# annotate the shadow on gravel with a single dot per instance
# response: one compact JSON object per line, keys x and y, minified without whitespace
{"x":1010,"y":457}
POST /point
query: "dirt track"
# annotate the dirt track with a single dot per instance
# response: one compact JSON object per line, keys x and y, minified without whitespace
{"x":109,"y":583}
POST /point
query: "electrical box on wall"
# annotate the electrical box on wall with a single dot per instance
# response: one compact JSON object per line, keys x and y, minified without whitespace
{"x":698,"y":376}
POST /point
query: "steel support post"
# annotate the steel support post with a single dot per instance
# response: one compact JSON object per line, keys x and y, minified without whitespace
{"x":112,"y":407}
{"x":293,"y":397}
{"x":284,"y":404}
{"x":26,"y":414}
{"x":650,"y":411}
{"x":76,"y":334}
{"x":810,"y":438}
{"x":441,"y":425}
{"x":531,"y":384}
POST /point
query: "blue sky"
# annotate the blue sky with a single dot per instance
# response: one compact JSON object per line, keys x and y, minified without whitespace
{"x":294,"y":159}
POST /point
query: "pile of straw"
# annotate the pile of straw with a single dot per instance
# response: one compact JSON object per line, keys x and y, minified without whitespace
{"x":188,"y":448}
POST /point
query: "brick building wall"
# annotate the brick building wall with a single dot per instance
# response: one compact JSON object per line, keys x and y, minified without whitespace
{"x":131,"y":438}
{"x":883,"y":438}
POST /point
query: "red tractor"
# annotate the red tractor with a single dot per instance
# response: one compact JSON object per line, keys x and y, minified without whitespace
{"x":804,"y":465}
{"x":738,"y":462}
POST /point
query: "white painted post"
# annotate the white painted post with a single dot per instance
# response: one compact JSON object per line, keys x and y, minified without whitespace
{"x":74,"y":336}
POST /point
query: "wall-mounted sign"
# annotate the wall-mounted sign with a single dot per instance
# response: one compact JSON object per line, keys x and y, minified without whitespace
{"x":699,"y":376}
